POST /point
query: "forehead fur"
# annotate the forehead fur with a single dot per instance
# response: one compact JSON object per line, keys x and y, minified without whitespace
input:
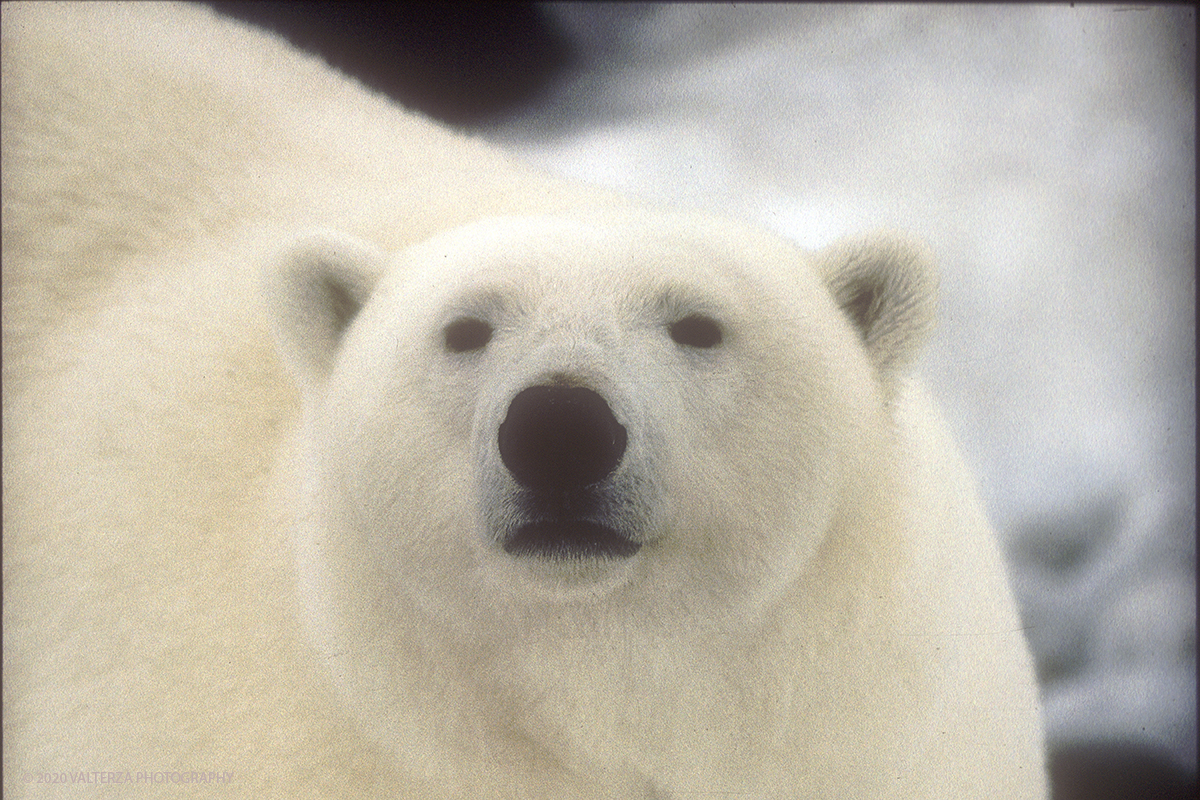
{"x":675,"y":260}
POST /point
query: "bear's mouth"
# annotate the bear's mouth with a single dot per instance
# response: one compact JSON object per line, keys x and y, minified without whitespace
{"x":561,"y":540}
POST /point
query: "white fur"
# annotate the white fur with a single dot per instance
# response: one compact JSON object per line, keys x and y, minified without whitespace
{"x":817,"y":608}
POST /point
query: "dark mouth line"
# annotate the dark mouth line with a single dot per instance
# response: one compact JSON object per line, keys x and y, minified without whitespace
{"x":569,"y":540}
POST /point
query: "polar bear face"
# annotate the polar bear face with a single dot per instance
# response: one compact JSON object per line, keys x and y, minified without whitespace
{"x":658,"y":417}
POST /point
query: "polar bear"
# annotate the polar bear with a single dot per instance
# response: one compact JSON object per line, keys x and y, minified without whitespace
{"x":346,"y":457}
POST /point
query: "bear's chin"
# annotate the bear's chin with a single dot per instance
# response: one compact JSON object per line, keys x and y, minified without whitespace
{"x":569,"y":540}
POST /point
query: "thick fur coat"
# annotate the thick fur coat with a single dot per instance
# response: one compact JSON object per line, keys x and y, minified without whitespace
{"x":288,"y":373}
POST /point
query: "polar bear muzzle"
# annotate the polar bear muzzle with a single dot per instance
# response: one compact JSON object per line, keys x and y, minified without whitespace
{"x":560,"y":443}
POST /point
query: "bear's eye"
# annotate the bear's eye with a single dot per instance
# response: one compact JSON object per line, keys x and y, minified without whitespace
{"x":696,"y":330}
{"x":466,"y":334}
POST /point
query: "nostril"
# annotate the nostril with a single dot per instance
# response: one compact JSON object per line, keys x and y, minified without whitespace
{"x":556,"y":438}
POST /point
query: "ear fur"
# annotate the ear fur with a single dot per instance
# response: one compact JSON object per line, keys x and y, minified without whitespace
{"x":887,"y":286}
{"x":317,"y":286}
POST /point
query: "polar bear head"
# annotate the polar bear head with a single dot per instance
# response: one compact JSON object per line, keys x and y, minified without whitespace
{"x":648,"y":417}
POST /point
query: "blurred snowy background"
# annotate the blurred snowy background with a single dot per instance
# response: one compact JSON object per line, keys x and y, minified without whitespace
{"x":1047,"y":154}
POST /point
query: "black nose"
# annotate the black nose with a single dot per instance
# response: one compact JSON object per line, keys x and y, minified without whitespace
{"x":557,"y":438}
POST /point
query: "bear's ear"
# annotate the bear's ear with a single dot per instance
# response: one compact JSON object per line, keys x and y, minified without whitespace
{"x":887,"y":286}
{"x":317,"y":286}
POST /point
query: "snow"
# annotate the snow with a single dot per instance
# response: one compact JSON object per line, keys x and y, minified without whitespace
{"x":1047,"y":154}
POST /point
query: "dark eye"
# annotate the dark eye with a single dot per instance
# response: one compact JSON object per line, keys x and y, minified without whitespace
{"x":696,"y":331}
{"x":466,"y":334}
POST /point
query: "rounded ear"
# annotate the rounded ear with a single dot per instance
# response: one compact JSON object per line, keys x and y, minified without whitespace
{"x":887,"y":287}
{"x":314,"y":290}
